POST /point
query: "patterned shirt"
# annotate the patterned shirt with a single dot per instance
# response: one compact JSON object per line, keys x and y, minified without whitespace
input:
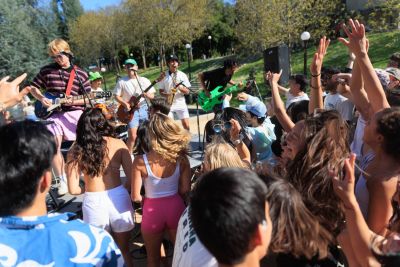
{"x":54,"y":79}
{"x":54,"y":240}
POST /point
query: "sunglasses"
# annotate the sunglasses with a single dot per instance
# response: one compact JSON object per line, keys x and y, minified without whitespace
{"x":56,"y":56}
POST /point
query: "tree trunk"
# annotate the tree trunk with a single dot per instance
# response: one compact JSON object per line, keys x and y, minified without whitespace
{"x":144,"y":56}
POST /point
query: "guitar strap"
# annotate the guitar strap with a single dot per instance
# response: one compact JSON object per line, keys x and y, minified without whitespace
{"x":70,"y":82}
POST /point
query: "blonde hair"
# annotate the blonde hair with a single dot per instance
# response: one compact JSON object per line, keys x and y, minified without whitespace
{"x":57,"y":46}
{"x":167,"y":138}
{"x":221,"y":154}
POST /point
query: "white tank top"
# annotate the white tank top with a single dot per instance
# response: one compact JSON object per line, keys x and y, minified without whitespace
{"x":157,"y":187}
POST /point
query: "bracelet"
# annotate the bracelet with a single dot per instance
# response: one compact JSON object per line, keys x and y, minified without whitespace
{"x":312,"y":75}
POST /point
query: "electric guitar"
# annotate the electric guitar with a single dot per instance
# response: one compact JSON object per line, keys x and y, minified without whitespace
{"x":124,"y":115}
{"x":57,"y":100}
{"x":216,"y":96}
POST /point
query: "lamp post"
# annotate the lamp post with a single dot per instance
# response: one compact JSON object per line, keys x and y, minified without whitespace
{"x":305,"y":36}
{"x":209,"y":40}
{"x":188,"y":48}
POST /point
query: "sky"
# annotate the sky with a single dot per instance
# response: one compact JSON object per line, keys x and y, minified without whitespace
{"x":97,"y":4}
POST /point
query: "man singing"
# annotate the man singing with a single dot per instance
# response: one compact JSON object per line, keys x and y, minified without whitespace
{"x":129,"y":86}
{"x":54,"y":78}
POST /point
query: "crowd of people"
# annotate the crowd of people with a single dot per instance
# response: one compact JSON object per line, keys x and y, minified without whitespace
{"x":310,"y":182}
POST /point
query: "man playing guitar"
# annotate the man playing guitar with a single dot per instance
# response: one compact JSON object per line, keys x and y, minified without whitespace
{"x":133,"y":85}
{"x":209,"y":80}
{"x":174,"y":87}
{"x":54,"y":78}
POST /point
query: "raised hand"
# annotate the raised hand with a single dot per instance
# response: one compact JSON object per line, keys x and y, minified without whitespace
{"x":357,"y":42}
{"x":273,"y":77}
{"x":316,"y":64}
{"x":344,"y":188}
{"x":9,"y":91}
{"x":235,"y":129}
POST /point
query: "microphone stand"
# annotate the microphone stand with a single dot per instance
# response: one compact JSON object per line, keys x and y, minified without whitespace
{"x":85,"y":94}
{"x":141,"y":89}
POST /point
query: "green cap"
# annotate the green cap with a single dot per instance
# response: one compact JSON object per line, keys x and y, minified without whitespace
{"x":130,"y":61}
{"x":94,"y":76}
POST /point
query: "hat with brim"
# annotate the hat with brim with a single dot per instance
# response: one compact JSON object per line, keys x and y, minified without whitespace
{"x":130,"y":61}
{"x":94,"y":76}
{"x":254,"y":106}
{"x":172,"y":58}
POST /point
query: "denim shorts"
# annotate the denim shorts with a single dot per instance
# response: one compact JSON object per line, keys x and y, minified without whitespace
{"x":139,"y":116}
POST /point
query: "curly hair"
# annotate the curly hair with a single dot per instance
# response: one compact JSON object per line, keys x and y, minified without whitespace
{"x":388,"y":125}
{"x":295,"y":231}
{"x":89,"y":151}
{"x":326,"y":148}
{"x":167,"y":138}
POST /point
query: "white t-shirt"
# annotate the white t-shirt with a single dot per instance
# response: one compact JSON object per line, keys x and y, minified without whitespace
{"x":340,"y":103}
{"x":291,"y":98}
{"x":189,"y":251}
{"x":357,"y":143}
{"x":169,"y":82}
{"x":126,"y":88}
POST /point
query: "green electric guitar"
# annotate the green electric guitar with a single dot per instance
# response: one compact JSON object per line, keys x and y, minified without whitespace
{"x":216,"y":96}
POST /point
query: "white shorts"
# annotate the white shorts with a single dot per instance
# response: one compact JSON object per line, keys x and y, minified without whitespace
{"x":111,"y":210}
{"x":180,"y":113}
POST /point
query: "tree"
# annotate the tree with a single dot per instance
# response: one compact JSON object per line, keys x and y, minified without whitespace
{"x":23,"y":30}
{"x":86,"y":36}
{"x":95,"y":34}
{"x":264,"y":23}
{"x":384,"y":15}
{"x":66,"y":12}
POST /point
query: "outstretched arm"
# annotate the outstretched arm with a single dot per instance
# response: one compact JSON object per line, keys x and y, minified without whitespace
{"x":359,"y":233}
{"x":357,"y":43}
{"x":277,"y":103}
{"x":316,"y":100}
{"x":9,"y":91}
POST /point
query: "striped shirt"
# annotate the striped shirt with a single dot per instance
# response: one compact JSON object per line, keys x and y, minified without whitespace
{"x":54,"y":79}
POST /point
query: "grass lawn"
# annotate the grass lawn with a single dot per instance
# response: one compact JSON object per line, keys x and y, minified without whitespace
{"x":382,"y":45}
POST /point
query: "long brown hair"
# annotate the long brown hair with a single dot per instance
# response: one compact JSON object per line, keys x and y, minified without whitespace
{"x":326,"y":148}
{"x":295,"y":231}
{"x":90,"y":151}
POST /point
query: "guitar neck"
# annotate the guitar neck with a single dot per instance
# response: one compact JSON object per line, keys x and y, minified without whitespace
{"x":78,"y":97}
{"x":64,"y":100}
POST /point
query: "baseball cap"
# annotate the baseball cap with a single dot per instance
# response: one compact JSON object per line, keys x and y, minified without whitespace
{"x":172,"y":57}
{"x":94,"y":76}
{"x":255,"y":106}
{"x":130,"y":61}
{"x":395,"y":72}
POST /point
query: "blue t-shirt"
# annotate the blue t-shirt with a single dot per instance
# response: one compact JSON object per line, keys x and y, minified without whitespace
{"x":262,"y":137}
{"x":53,"y":240}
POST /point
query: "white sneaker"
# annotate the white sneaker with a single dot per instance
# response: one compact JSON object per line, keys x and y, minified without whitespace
{"x":62,"y":188}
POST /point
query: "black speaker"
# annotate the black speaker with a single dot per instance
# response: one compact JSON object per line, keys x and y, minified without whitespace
{"x":276,"y":59}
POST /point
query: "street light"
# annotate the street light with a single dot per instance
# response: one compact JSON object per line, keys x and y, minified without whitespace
{"x":305,"y":36}
{"x":188,"y":48}
{"x":209,"y":40}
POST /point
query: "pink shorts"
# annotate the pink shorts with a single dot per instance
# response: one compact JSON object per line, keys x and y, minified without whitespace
{"x":161,"y":213}
{"x":64,"y":124}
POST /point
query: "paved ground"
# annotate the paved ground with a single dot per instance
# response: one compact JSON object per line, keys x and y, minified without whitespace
{"x":74,"y":203}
